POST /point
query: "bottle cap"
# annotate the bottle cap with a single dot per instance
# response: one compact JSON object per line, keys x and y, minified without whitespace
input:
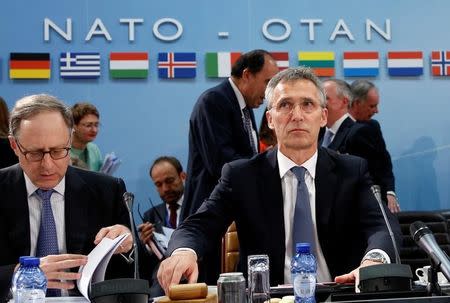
{"x":22,"y":259}
{"x":31,"y":261}
{"x":303,"y":248}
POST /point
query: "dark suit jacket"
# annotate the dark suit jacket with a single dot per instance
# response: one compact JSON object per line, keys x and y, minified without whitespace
{"x":349,"y":221}
{"x":365,"y":140}
{"x":92,"y":201}
{"x":7,"y":155}
{"x":157,"y":216}
{"x":216,"y":136}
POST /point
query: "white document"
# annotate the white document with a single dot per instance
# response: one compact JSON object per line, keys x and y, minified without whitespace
{"x":98,"y":259}
{"x":168,"y":232}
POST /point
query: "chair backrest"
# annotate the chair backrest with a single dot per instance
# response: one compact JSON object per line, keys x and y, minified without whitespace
{"x":230,"y":249}
{"x":411,"y":253}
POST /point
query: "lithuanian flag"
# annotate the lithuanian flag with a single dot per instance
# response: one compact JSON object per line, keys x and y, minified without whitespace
{"x":322,"y":63}
{"x":29,"y":66}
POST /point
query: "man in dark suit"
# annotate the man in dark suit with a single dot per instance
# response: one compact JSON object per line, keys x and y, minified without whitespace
{"x":370,"y":143}
{"x":168,"y":176}
{"x":222,"y":128}
{"x":261,"y":195}
{"x":48,"y":206}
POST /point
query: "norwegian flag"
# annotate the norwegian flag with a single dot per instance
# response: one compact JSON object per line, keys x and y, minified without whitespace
{"x":440,"y":63}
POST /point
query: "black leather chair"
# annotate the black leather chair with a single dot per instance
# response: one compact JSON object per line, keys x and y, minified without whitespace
{"x":437,"y":221}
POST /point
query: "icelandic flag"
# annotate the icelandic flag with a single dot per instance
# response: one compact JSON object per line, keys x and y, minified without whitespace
{"x":176,"y":65}
{"x":440,"y":63}
{"x":79,"y":65}
{"x":361,"y":64}
{"x":405,"y":63}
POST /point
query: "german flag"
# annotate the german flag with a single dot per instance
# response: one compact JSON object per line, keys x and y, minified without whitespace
{"x":29,"y":66}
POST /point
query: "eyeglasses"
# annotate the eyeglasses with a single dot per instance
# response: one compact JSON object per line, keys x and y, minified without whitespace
{"x":286,"y":107}
{"x":36,"y":156}
{"x":91,"y":125}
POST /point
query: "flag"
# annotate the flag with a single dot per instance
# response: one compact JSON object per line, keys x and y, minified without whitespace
{"x":440,"y":63}
{"x":405,"y":63}
{"x":322,"y":63}
{"x":177,"y":65}
{"x":29,"y":66}
{"x":128,"y":65}
{"x":79,"y":65}
{"x":361,"y":64}
{"x":218,"y":65}
{"x":282,"y":59}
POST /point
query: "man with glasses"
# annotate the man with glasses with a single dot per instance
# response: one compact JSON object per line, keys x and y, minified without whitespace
{"x":84,"y":153}
{"x":297,"y":192}
{"x":49,"y":209}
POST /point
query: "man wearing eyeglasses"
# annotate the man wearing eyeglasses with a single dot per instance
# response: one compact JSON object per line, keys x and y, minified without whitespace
{"x":49,"y":209}
{"x":84,"y":152}
{"x":297,"y":192}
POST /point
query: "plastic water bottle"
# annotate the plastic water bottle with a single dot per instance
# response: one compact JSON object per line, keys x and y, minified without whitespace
{"x":16,"y":275}
{"x":31,"y":283}
{"x":304,"y":272}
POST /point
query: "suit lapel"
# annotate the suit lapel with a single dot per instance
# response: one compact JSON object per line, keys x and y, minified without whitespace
{"x":341,"y":134}
{"x":77,"y":199}
{"x":326,"y":182}
{"x":20,"y":212}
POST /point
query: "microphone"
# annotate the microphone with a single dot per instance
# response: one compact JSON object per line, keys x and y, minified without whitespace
{"x":377,"y":193}
{"x":128,"y":199}
{"x":124,"y":290}
{"x":423,"y":236}
{"x":385,"y":277}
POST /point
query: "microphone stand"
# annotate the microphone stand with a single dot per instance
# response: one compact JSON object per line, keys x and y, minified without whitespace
{"x":433,"y":287}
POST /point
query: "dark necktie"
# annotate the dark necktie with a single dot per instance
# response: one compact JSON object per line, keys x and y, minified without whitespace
{"x":327,"y":138}
{"x":303,"y":225}
{"x":173,"y":214}
{"x":249,"y":129}
{"x":47,"y":243}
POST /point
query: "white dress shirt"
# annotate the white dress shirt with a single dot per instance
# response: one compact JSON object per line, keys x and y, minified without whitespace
{"x":289,"y":188}
{"x":335,"y":127}
{"x":35,"y":208}
{"x":242,"y":105}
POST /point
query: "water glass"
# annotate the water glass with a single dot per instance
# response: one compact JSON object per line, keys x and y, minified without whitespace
{"x":258,"y":278}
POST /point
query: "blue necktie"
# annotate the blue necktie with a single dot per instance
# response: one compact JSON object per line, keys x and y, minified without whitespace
{"x":327,"y":138}
{"x":303,"y":225}
{"x":249,"y":129}
{"x":47,"y":243}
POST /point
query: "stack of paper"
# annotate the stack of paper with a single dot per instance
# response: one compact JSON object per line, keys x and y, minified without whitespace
{"x":110,"y":164}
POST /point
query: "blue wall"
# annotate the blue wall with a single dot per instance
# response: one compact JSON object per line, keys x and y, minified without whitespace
{"x":142,"y":119}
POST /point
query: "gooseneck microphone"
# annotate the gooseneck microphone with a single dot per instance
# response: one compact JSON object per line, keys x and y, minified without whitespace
{"x":385,"y":277}
{"x":124,"y":290}
{"x":128,"y":199}
{"x":423,"y":236}
{"x":377,"y":193}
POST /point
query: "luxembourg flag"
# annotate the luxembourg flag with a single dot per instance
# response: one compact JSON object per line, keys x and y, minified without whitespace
{"x":361,"y":64}
{"x":405,"y":63}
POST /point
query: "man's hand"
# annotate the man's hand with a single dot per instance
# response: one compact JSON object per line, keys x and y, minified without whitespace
{"x":353,"y":276}
{"x":55,"y":268}
{"x":113,"y":232}
{"x":146,"y":232}
{"x":181,"y":264}
{"x":393,"y":204}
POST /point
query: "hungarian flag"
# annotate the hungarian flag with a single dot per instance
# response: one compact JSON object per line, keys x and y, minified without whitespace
{"x":29,"y":66}
{"x":177,"y":65}
{"x":322,"y":63}
{"x":361,"y":64}
{"x":282,"y":59}
{"x":128,"y":65}
{"x":405,"y":63}
{"x":440,"y":63}
{"x":218,"y":65}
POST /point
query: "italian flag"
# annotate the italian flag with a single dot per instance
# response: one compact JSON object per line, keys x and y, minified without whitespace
{"x":218,"y":65}
{"x":128,"y":65}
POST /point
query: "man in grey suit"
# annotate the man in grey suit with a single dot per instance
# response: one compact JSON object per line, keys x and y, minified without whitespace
{"x":48,"y":206}
{"x":260,"y":195}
